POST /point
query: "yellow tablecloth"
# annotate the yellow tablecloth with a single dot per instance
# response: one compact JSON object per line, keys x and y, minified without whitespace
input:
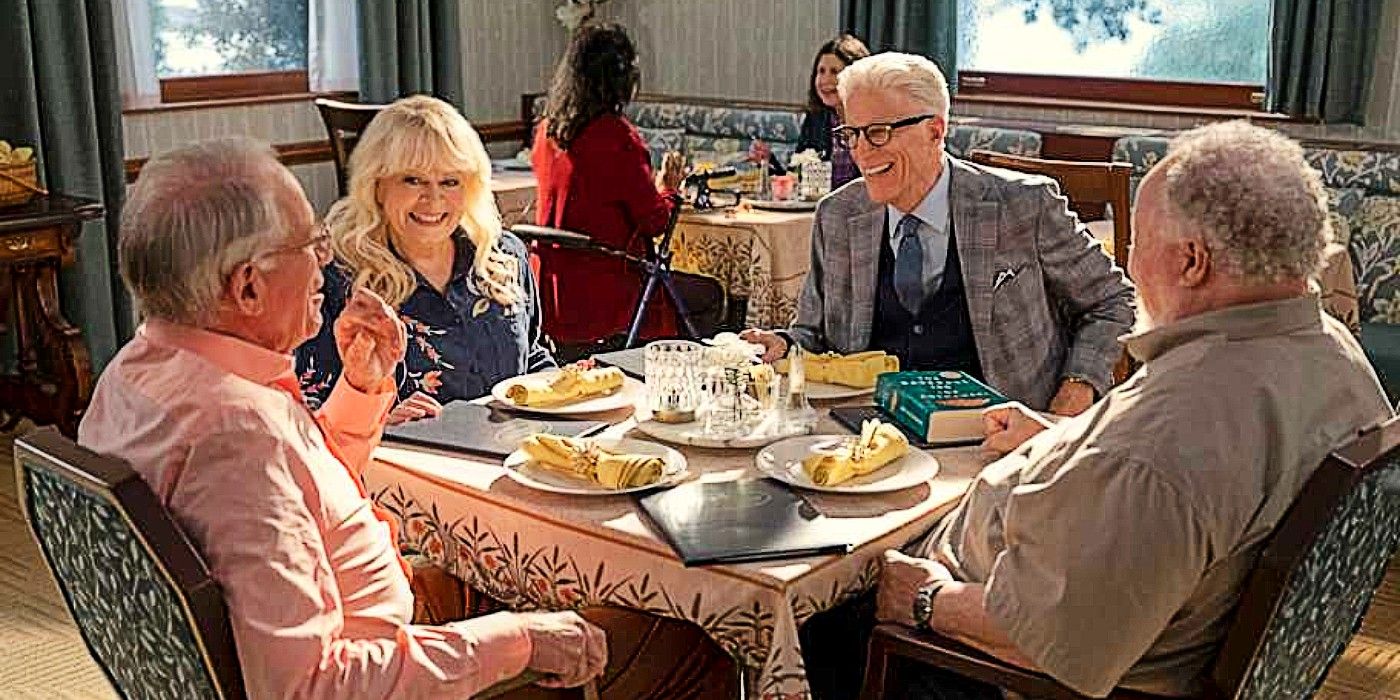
{"x":759,"y":255}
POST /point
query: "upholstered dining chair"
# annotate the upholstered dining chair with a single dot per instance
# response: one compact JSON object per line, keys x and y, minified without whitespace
{"x":344,"y":122}
{"x":1300,"y":606}
{"x":1087,"y":185}
{"x":151,"y":614}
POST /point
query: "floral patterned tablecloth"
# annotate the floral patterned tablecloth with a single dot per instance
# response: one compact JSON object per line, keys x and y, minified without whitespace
{"x":537,"y":550}
{"x":759,"y":255}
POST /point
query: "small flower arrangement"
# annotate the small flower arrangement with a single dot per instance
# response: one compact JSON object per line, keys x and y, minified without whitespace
{"x":574,"y":13}
{"x":802,"y":158}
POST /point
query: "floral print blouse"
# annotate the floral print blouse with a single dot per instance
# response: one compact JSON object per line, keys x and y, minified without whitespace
{"x":460,"y":341}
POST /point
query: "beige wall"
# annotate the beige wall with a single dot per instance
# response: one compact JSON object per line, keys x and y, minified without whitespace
{"x":745,"y":49}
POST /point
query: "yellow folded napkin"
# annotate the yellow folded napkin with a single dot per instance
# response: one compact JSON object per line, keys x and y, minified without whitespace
{"x":855,"y":370}
{"x":567,"y":386}
{"x":585,"y":460}
{"x":877,"y":445}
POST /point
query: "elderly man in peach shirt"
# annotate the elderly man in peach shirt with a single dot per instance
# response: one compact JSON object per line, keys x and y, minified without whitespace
{"x":219,"y":246}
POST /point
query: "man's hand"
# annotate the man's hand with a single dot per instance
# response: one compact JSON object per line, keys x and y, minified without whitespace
{"x":1009,"y":425}
{"x":419,"y":405}
{"x":567,"y":648}
{"x":371,"y":340}
{"x":774,"y":347}
{"x":900,"y":581}
{"x":1072,"y":399}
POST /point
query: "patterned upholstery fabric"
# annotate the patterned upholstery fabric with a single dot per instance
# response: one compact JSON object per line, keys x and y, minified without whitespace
{"x":659,"y":141}
{"x":1375,"y":249}
{"x":1376,"y":171}
{"x":963,"y":139}
{"x":129,"y":612}
{"x":1328,"y":593}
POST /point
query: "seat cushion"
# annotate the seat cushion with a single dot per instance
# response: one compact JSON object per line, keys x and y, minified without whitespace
{"x":1375,"y":249}
{"x":659,"y":141}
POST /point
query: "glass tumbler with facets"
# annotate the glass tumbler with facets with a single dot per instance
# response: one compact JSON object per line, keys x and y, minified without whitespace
{"x":673,"y":379}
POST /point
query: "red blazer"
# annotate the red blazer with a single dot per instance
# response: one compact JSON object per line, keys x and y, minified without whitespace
{"x":601,"y":186}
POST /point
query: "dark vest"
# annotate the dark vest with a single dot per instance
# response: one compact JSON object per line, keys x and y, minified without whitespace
{"x":940,"y":336}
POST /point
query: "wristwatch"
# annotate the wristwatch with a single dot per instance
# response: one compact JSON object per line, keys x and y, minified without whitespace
{"x":923,"y":604}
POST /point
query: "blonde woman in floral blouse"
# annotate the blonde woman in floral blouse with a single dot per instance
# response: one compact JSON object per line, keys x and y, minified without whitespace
{"x":420,"y":229}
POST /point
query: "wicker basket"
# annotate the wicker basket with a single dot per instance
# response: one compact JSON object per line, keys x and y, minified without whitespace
{"x":13,"y":193}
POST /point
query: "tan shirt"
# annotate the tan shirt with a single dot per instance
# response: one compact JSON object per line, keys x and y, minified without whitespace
{"x":1114,"y":545}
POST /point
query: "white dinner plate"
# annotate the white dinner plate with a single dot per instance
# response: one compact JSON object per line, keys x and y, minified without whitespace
{"x":782,"y":204}
{"x":524,"y":470}
{"x":783,"y":461}
{"x":631,"y":393}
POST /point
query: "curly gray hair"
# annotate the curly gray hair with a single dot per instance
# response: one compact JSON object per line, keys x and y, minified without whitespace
{"x":1250,"y":192}
{"x":194,"y":214}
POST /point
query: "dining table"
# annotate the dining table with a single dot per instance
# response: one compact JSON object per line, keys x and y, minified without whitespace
{"x":537,"y":550}
{"x":759,"y":257}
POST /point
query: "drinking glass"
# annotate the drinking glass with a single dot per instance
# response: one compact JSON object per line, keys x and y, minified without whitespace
{"x":672,"y":369}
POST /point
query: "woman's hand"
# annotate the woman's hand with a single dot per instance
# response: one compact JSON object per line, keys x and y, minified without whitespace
{"x":672,"y":172}
{"x":419,"y":405}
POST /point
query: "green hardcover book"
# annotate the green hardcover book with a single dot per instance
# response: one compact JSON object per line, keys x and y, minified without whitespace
{"x":944,"y":407}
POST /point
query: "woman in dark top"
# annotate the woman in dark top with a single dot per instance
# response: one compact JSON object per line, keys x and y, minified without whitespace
{"x":420,"y":229}
{"x":824,"y":111}
{"x":595,"y":177}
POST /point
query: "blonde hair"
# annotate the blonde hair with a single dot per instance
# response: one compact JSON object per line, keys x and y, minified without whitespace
{"x":904,"y":73}
{"x":418,"y":134}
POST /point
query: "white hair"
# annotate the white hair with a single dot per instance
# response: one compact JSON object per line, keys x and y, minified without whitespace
{"x":194,"y":214}
{"x":906,"y":73}
{"x":1253,"y":197}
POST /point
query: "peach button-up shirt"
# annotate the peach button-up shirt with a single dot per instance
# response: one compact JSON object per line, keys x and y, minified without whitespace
{"x":319,"y":604}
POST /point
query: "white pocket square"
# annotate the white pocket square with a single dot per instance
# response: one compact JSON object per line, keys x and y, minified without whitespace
{"x":1003,"y":277}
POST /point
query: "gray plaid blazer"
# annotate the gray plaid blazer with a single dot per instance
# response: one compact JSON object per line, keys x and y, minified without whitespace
{"x":1045,"y":301}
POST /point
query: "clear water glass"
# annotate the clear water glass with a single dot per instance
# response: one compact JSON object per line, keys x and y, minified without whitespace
{"x":672,"y":369}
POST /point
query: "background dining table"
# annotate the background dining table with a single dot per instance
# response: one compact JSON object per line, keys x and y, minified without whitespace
{"x":533,"y":549}
{"x":760,"y":258}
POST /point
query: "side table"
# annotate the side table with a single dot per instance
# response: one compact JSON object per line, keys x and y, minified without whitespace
{"x":49,"y":379}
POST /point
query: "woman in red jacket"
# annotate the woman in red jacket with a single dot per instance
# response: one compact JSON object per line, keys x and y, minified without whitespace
{"x":595,"y":177}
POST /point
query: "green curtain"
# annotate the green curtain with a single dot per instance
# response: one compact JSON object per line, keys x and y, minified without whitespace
{"x":409,"y":47}
{"x":1322,"y":53}
{"x":927,"y":27}
{"x":59,"y":93}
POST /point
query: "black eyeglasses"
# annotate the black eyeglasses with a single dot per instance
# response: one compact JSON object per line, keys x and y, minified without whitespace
{"x":877,"y":134}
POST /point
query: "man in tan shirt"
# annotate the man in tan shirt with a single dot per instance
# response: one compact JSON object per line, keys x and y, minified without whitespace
{"x":1109,"y":549}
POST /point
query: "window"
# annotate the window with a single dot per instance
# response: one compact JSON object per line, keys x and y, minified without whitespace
{"x":209,"y":49}
{"x":1205,"y":53}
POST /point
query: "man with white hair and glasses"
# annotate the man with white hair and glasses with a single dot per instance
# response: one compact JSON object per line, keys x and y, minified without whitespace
{"x":1109,"y":550}
{"x":950,"y":265}
{"x":219,"y":246}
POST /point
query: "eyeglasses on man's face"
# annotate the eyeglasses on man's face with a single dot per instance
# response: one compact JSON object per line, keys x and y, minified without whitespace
{"x":877,"y":134}
{"x":319,"y":244}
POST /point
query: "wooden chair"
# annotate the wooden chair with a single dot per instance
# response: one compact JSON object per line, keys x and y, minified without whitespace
{"x":344,"y":122}
{"x":1088,"y":186}
{"x":151,"y":614}
{"x":1299,"y":607}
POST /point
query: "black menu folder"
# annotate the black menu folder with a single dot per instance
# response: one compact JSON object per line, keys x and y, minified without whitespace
{"x":737,"y":521}
{"x":478,"y":429}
